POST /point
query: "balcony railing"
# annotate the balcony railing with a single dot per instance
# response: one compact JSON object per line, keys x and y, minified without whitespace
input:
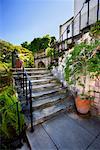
{"x":79,"y":24}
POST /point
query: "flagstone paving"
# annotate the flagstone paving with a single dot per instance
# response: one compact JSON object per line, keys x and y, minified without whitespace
{"x":66,"y":132}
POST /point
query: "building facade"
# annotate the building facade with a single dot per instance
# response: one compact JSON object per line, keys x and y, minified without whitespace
{"x":86,"y":13}
{"x":41,"y":60}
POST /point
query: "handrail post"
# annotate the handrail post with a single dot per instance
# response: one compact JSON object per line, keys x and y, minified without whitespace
{"x":18,"y":117}
{"x":72,"y":29}
{"x":23,"y":80}
{"x":79,"y":21}
{"x":26,"y":90}
{"x":31,"y":115}
{"x":98,"y":9}
{"x":88,"y":12}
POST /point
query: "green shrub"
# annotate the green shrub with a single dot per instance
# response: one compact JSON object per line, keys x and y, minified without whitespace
{"x":75,"y":61}
{"x":50,"y":52}
{"x":95,"y":29}
{"x":8,"y":113}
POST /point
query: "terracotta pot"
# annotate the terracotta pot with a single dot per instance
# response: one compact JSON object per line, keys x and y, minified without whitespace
{"x":83,"y":106}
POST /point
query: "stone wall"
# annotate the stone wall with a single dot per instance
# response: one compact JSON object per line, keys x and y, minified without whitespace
{"x":92,"y":84}
{"x":45,"y":60}
{"x":40,"y":57}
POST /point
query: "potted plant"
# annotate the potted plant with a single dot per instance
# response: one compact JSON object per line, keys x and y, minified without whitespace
{"x":82,"y":63}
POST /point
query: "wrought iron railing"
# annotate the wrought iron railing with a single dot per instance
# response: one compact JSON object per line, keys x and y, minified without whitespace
{"x":77,"y":20}
{"x":27,"y":84}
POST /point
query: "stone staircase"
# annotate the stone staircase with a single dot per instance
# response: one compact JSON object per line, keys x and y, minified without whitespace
{"x":49,"y":98}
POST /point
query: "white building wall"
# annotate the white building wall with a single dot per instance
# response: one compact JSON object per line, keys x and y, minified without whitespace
{"x":92,"y":14}
{"x":64,"y":27}
{"x":77,"y":7}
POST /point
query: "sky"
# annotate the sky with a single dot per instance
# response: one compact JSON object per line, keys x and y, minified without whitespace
{"x":24,"y":20}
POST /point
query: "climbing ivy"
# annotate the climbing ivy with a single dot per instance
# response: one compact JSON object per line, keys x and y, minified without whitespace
{"x":83,"y":57}
{"x":95,"y":29}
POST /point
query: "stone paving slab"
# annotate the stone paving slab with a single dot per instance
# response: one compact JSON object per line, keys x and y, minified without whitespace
{"x":91,"y":124}
{"x":63,"y":133}
{"x":95,"y":145}
{"x":67,"y":134}
{"x":39,"y":140}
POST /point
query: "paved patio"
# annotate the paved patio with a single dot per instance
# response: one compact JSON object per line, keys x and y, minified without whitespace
{"x":67,"y":132}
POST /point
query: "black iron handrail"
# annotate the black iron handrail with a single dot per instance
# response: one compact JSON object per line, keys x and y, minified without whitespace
{"x":27,"y":79}
{"x":25,"y":85}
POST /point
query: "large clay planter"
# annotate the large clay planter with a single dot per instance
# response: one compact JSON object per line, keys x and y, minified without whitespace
{"x":83,"y":106}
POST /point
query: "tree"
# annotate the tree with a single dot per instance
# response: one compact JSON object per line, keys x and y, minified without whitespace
{"x":25,"y":45}
{"x":40,"y":43}
{"x":50,"y":52}
{"x":36,"y":45}
{"x":46,"y":41}
{"x":53,"y":40}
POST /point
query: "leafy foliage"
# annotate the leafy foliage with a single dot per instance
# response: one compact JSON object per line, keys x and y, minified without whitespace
{"x":6,"y":50}
{"x":83,"y":60}
{"x":25,"y":44}
{"x":95,"y":29}
{"x":50,"y":52}
{"x":38,"y":44}
{"x":8,"y":113}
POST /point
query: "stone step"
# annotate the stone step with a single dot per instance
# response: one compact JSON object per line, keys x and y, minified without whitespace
{"x":31,"y":72}
{"x":43,"y":93}
{"x":41,"y":83}
{"x":40,"y":88}
{"x":43,"y":86}
{"x":40,"y":76}
{"x":49,"y":75}
{"x":27,"y":69}
{"x":38,"y":82}
{"x":14,"y":69}
{"x":49,"y":95}
{"x":38,"y":72}
{"x":44,"y":80}
{"x":39,"y":116}
{"x":46,"y":102}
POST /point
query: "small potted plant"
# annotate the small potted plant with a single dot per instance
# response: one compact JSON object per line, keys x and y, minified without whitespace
{"x":83,"y":102}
